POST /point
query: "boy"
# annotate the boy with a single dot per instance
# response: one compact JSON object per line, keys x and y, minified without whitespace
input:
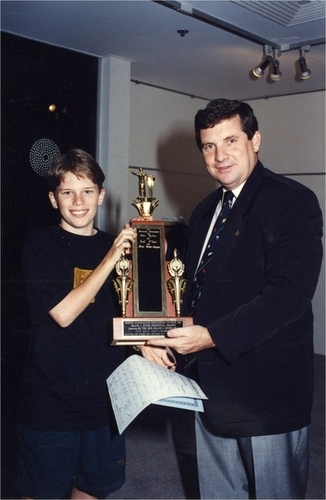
{"x":67,"y":442}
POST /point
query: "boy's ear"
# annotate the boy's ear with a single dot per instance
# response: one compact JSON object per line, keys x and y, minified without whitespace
{"x":101,"y":197}
{"x":53,"y":200}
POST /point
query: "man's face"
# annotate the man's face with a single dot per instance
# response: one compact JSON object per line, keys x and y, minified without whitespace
{"x":77,"y":199}
{"x":229,"y":155}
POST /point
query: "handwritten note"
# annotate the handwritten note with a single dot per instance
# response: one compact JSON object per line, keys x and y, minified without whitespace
{"x":137,"y":383}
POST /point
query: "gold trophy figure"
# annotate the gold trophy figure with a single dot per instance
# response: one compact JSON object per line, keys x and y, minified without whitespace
{"x":176,"y":284}
{"x":146,"y":204}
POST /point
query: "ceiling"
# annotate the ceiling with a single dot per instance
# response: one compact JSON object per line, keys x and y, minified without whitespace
{"x":219,"y":43}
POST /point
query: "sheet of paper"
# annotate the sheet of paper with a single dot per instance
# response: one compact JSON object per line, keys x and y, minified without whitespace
{"x":183,"y":403}
{"x":137,"y":382}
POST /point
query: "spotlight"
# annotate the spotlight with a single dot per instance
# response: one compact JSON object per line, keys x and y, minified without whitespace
{"x":258,"y":71}
{"x":304,"y":71}
{"x":275,"y":74}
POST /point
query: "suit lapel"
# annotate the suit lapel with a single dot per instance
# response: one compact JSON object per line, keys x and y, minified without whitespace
{"x":228,"y":239}
{"x":236,"y":222}
{"x":234,"y":227}
{"x":200,"y":231}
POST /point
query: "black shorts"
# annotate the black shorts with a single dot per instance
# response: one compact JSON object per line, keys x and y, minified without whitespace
{"x":51,"y":462}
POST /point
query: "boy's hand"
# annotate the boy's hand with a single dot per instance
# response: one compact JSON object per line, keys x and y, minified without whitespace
{"x":122,"y":243}
{"x":159,"y":355}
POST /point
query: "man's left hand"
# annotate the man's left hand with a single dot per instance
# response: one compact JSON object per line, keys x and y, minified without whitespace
{"x":185,"y":340}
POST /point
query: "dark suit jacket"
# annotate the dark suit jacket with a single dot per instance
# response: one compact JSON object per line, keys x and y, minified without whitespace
{"x":256,"y":304}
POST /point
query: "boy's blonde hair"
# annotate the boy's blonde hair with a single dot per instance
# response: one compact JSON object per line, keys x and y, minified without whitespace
{"x":77,"y":162}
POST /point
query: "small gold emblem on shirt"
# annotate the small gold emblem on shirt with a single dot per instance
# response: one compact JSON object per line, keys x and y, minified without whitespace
{"x":79,"y":277}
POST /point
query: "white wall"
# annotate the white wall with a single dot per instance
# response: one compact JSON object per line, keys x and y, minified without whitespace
{"x":162,"y":138}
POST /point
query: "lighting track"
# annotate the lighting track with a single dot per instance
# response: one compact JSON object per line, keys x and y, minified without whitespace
{"x":186,"y":9}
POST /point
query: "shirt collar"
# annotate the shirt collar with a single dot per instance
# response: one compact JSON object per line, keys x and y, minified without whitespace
{"x":236,"y":191}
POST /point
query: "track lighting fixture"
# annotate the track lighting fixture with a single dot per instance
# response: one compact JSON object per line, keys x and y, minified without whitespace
{"x":275,"y":74}
{"x":304,"y":71}
{"x":274,"y":64}
{"x":258,"y":71}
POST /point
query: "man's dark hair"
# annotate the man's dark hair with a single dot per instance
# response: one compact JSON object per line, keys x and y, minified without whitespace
{"x":77,"y":162}
{"x":222,"y":109}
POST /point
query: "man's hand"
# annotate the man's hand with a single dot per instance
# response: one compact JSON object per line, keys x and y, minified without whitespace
{"x":185,"y":340}
{"x":159,"y":355}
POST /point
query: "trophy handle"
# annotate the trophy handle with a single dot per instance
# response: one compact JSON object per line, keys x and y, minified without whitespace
{"x":176,"y":284}
{"x":123,"y":283}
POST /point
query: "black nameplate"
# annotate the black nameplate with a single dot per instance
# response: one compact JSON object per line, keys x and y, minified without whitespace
{"x":149,"y":271}
{"x":150,"y":328}
{"x":136,"y":331}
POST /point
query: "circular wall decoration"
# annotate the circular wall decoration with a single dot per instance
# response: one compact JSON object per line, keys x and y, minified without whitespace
{"x":42,"y":154}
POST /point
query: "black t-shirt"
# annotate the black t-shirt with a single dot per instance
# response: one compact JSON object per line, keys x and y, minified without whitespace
{"x":64,"y":378}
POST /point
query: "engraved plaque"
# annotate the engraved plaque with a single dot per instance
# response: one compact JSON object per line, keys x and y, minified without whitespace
{"x":128,"y":331}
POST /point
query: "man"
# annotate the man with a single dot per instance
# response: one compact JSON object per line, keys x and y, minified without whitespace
{"x":253,"y":323}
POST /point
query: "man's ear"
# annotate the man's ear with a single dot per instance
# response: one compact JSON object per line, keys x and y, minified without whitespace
{"x":101,"y":197}
{"x":53,"y":200}
{"x":256,"y":141}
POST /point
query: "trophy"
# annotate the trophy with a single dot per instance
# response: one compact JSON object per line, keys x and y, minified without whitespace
{"x":149,"y":288}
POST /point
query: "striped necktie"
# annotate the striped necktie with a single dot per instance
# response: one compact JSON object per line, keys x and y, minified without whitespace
{"x":196,"y":289}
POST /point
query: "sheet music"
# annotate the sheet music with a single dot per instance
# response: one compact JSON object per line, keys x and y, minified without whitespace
{"x":137,"y":383}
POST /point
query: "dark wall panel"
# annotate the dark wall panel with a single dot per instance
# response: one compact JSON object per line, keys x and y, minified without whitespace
{"x":35,"y":75}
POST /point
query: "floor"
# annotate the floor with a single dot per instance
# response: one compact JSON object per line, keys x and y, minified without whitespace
{"x":157,"y":455}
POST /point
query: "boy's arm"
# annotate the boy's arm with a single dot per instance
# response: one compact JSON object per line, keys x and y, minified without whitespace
{"x":68,"y":309}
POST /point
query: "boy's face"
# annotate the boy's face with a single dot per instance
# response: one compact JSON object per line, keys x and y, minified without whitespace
{"x":77,"y":199}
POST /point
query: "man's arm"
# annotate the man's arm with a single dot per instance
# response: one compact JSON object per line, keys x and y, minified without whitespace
{"x":292,"y":264}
